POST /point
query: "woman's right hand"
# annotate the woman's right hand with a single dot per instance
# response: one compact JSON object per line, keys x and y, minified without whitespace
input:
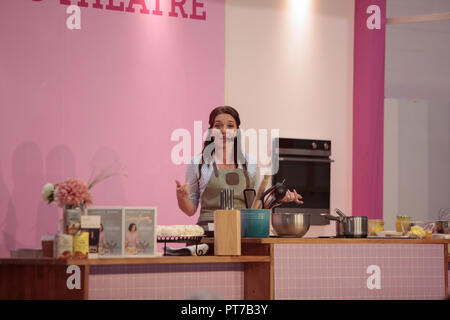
{"x":182,"y":190}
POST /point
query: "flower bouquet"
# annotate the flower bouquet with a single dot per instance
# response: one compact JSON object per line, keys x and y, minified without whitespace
{"x":73,"y":195}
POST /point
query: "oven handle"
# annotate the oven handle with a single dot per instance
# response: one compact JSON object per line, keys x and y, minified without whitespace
{"x":305,"y":159}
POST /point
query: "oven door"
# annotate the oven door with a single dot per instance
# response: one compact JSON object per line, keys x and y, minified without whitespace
{"x":310,"y":177}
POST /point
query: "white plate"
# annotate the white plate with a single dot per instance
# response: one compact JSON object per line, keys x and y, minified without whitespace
{"x":388,"y":233}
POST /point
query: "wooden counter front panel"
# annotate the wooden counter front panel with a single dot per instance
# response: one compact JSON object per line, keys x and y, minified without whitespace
{"x":259,"y":277}
{"x":42,"y":282}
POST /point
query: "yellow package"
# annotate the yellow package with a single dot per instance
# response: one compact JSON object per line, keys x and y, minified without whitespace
{"x":81,"y":245}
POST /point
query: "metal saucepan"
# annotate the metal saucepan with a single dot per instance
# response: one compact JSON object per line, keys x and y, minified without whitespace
{"x":442,"y":227}
{"x":290,"y":224}
{"x":349,"y":227}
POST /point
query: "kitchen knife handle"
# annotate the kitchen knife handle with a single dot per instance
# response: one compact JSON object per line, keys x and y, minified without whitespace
{"x":222,"y":199}
{"x":227,"y":196}
{"x":231,"y":199}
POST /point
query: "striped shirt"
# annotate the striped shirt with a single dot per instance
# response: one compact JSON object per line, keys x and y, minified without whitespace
{"x":197,"y":189}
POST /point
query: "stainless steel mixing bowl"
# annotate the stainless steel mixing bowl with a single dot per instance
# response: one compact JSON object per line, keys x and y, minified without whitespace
{"x":287,"y":224}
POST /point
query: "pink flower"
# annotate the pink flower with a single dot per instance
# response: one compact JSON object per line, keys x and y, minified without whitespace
{"x":73,"y":192}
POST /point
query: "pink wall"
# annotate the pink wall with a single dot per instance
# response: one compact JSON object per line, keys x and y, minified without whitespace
{"x":368,"y":109}
{"x":107,"y":95}
{"x":298,"y":57}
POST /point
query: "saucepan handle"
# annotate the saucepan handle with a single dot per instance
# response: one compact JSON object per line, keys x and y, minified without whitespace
{"x":330,"y":217}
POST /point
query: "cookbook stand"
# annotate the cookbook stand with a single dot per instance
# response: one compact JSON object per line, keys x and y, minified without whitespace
{"x":180,"y":239}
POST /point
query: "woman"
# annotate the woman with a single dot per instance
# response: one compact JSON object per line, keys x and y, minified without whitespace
{"x":221,"y":165}
{"x":131,"y":239}
{"x":102,"y":242}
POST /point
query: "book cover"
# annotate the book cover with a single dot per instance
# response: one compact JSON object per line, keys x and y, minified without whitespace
{"x":110,"y":231}
{"x":140,"y":231}
{"x":91,"y":225}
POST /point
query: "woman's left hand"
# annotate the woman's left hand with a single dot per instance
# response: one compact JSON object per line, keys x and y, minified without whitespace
{"x":292,"y":196}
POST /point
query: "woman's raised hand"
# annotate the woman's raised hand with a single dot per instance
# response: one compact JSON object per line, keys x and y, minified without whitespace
{"x":182,"y":190}
{"x":292,"y":196}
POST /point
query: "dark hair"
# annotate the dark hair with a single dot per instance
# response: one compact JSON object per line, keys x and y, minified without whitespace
{"x":131,"y":226}
{"x":238,"y":155}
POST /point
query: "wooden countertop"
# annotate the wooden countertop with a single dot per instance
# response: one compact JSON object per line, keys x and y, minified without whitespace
{"x":147,"y":260}
{"x":218,"y":259}
{"x":276,"y":240}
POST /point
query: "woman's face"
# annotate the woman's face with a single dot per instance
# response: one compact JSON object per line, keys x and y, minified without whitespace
{"x":133,"y":228}
{"x":224,"y":129}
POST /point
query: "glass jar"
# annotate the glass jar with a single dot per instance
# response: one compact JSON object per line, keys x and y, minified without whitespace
{"x":375,"y":225}
{"x":406,"y":224}
{"x":399,"y":223}
{"x":403,"y":224}
{"x":379,"y":225}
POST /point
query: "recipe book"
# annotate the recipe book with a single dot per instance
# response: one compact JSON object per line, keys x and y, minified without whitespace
{"x":140,"y":231}
{"x":91,"y":224}
{"x":126,"y":231}
{"x":111,"y":230}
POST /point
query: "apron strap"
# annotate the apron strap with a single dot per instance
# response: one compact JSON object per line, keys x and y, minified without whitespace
{"x":247,"y":179}
{"x":216,"y":171}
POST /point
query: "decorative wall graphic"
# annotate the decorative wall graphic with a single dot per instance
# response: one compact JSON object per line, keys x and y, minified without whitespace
{"x":186,"y":9}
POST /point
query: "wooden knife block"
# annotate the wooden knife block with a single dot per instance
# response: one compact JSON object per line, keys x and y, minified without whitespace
{"x":227,"y":232}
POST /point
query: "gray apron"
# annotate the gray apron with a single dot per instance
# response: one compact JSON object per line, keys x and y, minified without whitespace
{"x":237,"y":179}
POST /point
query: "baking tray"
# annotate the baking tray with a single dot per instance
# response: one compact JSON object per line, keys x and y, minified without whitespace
{"x":179,"y":239}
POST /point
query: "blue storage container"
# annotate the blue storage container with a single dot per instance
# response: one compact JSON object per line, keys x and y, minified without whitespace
{"x":255,"y":223}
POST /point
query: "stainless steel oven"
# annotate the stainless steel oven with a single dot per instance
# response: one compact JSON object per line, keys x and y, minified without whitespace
{"x":305,"y":165}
